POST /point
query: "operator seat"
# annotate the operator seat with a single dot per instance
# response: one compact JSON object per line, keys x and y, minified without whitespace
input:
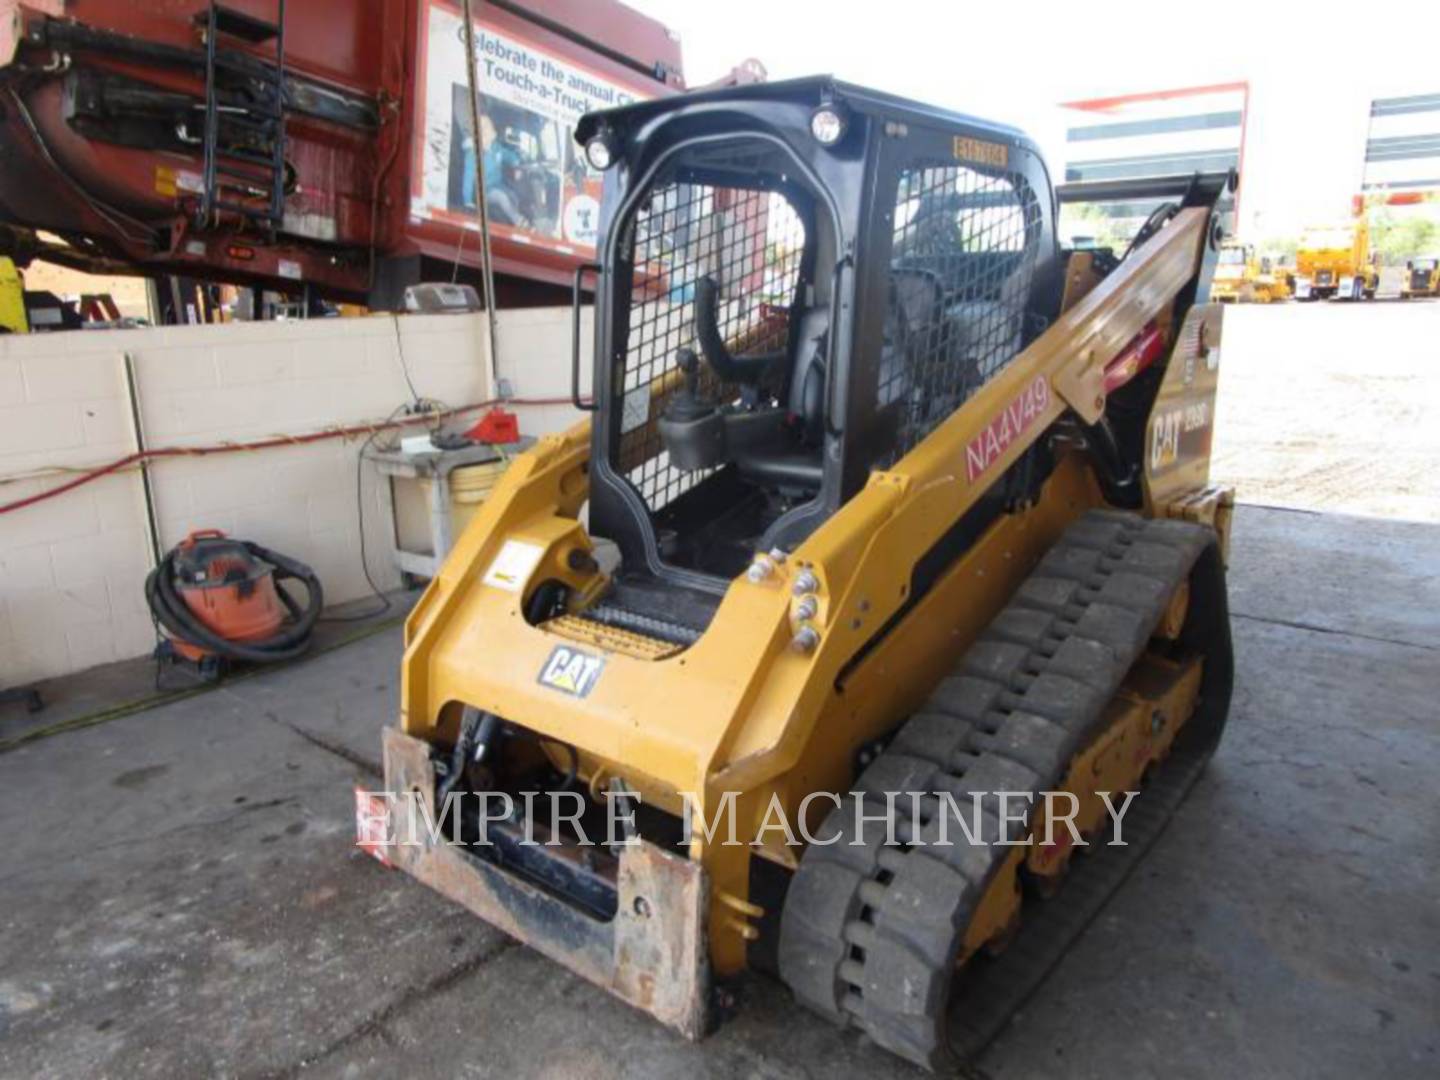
{"x":793,"y":462}
{"x":774,"y":445}
{"x":912,"y":324}
{"x":809,"y":375}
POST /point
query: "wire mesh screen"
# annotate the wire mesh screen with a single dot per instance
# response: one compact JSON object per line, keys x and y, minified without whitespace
{"x":961,"y":265}
{"x":750,"y":243}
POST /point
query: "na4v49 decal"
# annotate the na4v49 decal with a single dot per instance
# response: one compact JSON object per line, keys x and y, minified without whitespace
{"x":1006,"y":427}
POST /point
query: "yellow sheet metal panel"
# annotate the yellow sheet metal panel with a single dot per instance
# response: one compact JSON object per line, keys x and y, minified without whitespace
{"x":1181,"y":429}
{"x":12,"y":298}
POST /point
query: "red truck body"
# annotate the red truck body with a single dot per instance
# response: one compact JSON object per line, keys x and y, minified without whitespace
{"x":103,"y":107}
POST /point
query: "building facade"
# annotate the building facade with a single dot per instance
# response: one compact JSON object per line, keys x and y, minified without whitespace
{"x":1153,"y":134}
{"x":1402,"y":150}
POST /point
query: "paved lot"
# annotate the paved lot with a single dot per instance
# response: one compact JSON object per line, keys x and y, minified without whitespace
{"x":1333,"y":407}
{"x":179,"y":895}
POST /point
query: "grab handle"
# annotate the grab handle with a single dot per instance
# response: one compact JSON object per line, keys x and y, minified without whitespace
{"x":575,"y":399}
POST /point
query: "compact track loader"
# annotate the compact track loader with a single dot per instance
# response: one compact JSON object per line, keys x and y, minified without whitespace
{"x":887,"y":506}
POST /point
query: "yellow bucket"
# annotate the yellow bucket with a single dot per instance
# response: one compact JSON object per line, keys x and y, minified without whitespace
{"x":469,"y":487}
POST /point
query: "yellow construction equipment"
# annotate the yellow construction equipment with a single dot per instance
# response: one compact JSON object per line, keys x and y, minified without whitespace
{"x":1335,"y":261}
{"x":888,"y":542}
{"x":1422,"y":278}
{"x":12,"y":299}
{"x":1242,"y":276}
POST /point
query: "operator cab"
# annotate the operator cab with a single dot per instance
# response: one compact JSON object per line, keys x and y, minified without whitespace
{"x":748,"y":376}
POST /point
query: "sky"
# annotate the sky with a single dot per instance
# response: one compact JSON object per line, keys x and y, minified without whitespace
{"x":1312,"y":69}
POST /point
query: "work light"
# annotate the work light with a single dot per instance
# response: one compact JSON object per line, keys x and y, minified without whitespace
{"x":599,"y":152}
{"x":827,"y":124}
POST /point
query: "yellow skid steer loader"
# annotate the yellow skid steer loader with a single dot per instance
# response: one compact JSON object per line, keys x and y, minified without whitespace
{"x":884,"y":565}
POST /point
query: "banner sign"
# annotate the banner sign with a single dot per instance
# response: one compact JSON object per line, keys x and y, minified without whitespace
{"x":539,"y":188}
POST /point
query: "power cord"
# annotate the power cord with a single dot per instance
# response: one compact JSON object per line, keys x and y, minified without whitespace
{"x":385,"y":604}
{"x":437,"y":409}
{"x":417,"y":406}
{"x":404,"y":367}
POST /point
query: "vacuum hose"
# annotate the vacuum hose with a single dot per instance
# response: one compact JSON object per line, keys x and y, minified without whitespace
{"x":289,"y":641}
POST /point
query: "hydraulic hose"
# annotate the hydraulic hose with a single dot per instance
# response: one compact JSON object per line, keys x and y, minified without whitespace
{"x":292,"y":639}
{"x":1119,"y":478}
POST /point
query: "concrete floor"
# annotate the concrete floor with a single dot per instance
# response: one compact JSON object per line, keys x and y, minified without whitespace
{"x":180,"y":896}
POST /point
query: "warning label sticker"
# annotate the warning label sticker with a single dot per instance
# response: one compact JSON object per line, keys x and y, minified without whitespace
{"x":513,"y":566}
{"x":636,"y":410}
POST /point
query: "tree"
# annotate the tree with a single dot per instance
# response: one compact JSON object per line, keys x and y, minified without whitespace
{"x":1399,"y":239}
{"x":1280,"y":248}
{"x":1089,"y":220}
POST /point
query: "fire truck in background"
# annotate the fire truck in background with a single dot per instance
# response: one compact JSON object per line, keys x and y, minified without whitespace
{"x":324,"y":146}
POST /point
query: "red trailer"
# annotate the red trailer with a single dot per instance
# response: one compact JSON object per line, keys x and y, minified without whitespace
{"x":324,"y":142}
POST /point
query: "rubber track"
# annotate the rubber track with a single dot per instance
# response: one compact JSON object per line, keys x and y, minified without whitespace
{"x":872,"y":927}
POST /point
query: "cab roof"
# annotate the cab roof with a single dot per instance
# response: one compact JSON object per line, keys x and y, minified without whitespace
{"x":809,"y":91}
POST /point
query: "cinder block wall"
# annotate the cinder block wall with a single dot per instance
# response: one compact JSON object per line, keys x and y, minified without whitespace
{"x":72,"y":568}
{"x":535,"y":350}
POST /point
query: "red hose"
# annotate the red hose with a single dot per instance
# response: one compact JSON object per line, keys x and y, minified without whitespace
{"x":262,"y":444}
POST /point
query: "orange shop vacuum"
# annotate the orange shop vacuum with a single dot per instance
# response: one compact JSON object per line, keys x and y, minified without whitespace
{"x":220,"y":600}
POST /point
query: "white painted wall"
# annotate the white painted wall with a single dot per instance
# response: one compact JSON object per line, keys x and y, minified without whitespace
{"x":535,"y":347}
{"x":72,"y":568}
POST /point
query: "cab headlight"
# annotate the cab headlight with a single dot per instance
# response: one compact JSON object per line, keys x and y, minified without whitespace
{"x":600,"y":152}
{"x":828,"y":124}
